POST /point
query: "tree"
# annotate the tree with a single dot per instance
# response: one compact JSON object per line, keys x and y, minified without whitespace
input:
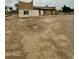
{"x":16,"y":6}
{"x":66,"y":9}
{"x":11,"y":9}
{"x":5,"y":9}
{"x":73,"y":10}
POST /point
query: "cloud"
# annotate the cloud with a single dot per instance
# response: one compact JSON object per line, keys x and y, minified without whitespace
{"x":57,"y":3}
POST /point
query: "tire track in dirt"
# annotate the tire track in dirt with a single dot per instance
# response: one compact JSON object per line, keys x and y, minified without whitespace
{"x":59,"y":49}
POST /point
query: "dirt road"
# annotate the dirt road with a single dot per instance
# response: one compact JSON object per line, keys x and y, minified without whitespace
{"x":45,"y":37}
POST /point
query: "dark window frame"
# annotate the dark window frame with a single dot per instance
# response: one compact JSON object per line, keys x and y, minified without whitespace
{"x":26,"y":12}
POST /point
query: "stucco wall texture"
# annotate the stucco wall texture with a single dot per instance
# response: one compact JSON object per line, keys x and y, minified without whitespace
{"x":31,"y":13}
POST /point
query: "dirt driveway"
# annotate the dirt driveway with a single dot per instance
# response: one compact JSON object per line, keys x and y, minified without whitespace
{"x":47,"y":37}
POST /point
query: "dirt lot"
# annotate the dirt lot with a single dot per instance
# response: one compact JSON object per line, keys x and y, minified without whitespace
{"x":45,"y":37}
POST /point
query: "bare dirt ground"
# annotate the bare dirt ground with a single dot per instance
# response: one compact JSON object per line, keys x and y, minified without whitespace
{"x":45,"y":37}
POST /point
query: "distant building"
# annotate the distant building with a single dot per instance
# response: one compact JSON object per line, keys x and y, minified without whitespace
{"x":47,"y":10}
{"x":26,"y":9}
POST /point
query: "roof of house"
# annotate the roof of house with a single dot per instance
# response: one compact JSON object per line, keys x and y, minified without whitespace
{"x":44,"y":8}
{"x":29,"y":5}
{"x":24,"y":5}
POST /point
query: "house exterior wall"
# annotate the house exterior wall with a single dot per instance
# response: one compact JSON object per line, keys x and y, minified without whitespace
{"x":42,"y":13}
{"x":47,"y":12}
{"x":31,"y":13}
{"x":50,"y":12}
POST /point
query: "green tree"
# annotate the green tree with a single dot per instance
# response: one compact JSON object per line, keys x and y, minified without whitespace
{"x":16,"y":6}
{"x":11,"y":9}
{"x":6,"y":9}
{"x":66,"y":9}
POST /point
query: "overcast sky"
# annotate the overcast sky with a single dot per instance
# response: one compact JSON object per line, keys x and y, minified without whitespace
{"x":57,"y":3}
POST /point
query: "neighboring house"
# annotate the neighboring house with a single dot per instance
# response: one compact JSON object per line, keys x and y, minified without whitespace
{"x":47,"y":10}
{"x":50,"y":11}
{"x":26,"y":9}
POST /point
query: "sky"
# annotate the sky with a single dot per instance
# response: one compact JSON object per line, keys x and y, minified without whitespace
{"x":57,"y":3}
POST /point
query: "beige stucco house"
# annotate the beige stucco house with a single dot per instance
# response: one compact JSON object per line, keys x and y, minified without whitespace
{"x":26,"y":9}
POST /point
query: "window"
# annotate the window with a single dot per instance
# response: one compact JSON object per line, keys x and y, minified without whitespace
{"x":26,"y":12}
